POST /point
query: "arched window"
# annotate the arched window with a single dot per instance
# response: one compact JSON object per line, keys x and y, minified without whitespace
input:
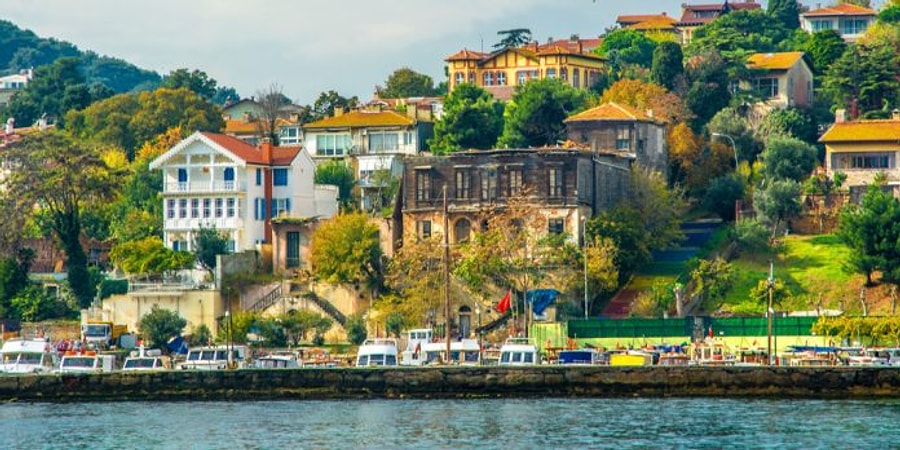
{"x":461,"y":230}
{"x":472,"y":77}
{"x":564,"y":74}
{"x":551,"y":73}
{"x":460,"y":78}
{"x":576,"y":78}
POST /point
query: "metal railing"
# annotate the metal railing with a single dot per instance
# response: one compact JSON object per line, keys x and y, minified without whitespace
{"x":267,"y":300}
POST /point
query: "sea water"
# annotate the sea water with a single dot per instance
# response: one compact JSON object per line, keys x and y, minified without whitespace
{"x":695,"y":423}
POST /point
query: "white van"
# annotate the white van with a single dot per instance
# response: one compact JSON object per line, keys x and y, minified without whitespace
{"x":215,"y":358}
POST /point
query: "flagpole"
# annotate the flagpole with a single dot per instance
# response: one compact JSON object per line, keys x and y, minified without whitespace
{"x":447,"y":273}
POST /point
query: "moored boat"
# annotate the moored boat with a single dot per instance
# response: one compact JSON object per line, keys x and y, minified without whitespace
{"x":142,"y":359}
{"x":377,"y":352}
{"x":518,"y":351}
{"x":582,"y":356}
{"x":27,"y":356}
{"x":215,"y":358}
{"x":86,"y":362}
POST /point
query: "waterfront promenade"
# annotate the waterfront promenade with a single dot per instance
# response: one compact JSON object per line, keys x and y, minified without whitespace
{"x":457,"y":382}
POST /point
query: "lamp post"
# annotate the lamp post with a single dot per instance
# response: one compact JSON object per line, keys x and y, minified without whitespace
{"x":585,"y":256}
{"x":733,"y":147}
{"x":770,"y":286}
{"x":478,"y":313}
{"x":230,"y":337}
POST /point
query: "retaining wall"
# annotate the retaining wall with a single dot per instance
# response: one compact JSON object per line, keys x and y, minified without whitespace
{"x":456,"y":382}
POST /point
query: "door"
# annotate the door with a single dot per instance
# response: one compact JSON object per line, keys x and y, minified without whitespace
{"x":293,"y":249}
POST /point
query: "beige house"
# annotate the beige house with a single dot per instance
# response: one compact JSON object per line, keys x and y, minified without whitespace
{"x":849,"y":20}
{"x":862,"y":150}
{"x":782,"y":79}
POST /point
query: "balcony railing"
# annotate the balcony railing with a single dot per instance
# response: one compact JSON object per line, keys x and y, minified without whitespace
{"x":204,"y":186}
{"x":220,"y":223}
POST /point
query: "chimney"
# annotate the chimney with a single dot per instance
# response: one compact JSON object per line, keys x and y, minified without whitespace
{"x":338,"y":111}
{"x":650,"y":113}
{"x":840,"y":115}
{"x":266,"y":147}
{"x":895,"y":114}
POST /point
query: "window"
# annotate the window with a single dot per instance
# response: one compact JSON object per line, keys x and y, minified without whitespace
{"x":819,"y":25}
{"x":460,"y":78}
{"x":767,"y":87}
{"x":182,"y":208}
{"x":170,"y":208}
{"x":463,"y":184}
{"x":853,"y":26}
{"x":289,"y":136}
{"x":501,"y":78}
{"x":623,"y":138}
{"x":551,"y":73}
{"x":521,"y":77}
{"x":280,"y":177}
{"x":873,"y":160}
{"x":219,"y":203}
{"x":472,"y":77}
{"x":182,"y":179}
{"x":195,"y":208}
{"x":488,"y":78}
{"x":333,"y":144}
{"x":293,"y":249}
{"x":229,"y":207}
{"x":423,"y":229}
{"x":576,"y":77}
{"x":259,"y":209}
{"x":207,"y":203}
{"x":258,"y":176}
{"x":564,"y":74}
{"x":281,"y":205}
{"x":489,"y":184}
{"x":423,"y":185}
{"x":407,"y":138}
{"x":380,"y":142}
{"x":514,"y":182}
{"x":556,"y":226}
{"x":555,"y":179}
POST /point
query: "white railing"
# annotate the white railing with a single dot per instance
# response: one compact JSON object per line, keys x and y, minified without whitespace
{"x":204,"y":186}
{"x":220,"y":223}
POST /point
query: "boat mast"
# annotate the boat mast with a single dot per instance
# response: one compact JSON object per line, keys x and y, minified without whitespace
{"x":446,"y":274}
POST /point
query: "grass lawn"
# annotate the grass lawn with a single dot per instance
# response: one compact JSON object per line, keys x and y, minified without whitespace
{"x":810,"y":268}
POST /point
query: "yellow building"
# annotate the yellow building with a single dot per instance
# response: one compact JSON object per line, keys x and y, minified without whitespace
{"x":862,"y":149}
{"x":499,"y":72}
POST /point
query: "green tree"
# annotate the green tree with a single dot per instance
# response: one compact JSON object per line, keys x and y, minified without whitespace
{"x":472,"y":120}
{"x":327,"y":102}
{"x":789,"y":122}
{"x":64,"y":177}
{"x":339,"y":174}
{"x":721,"y":196}
{"x":738,"y":34}
{"x":871,"y":232}
{"x":864,"y":77}
{"x":160,"y":325}
{"x":629,"y":46}
{"x":209,"y":242}
{"x":667,"y":69}
{"x":356,"y":329}
{"x":225,"y":95}
{"x":197,"y":81}
{"x":149,"y":257}
{"x":269,"y":102}
{"x":732,"y":123}
{"x":889,"y":14}
{"x":405,"y":82}
{"x":713,"y":279}
{"x":786,"y":12}
{"x":787,"y":158}
{"x":779,"y":202}
{"x":515,"y":37}
{"x":14,"y":276}
{"x":415,"y":274}
{"x":824,"y":48}
{"x":534,"y":117}
{"x":707,"y":87}
{"x":128,"y":121}
{"x":346,"y":249}
{"x":751,"y":235}
{"x":54,"y":90}
{"x":34,"y":304}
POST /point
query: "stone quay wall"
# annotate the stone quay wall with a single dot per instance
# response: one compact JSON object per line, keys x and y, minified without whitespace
{"x":455,"y":382}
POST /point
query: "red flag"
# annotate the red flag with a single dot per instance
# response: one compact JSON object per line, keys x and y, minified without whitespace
{"x":503,"y":306}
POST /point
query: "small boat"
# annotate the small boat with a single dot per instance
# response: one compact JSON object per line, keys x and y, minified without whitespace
{"x":86,"y":362}
{"x":519,"y":352}
{"x":215,"y":358}
{"x":711,"y":353}
{"x":582,"y":356}
{"x":630,"y":358}
{"x":810,"y":356}
{"x":377,"y":352}
{"x":673,"y":360}
{"x":421,"y":349}
{"x":276,"y":361}
{"x":27,"y":356}
{"x":859,"y":356}
{"x":142,"y":359}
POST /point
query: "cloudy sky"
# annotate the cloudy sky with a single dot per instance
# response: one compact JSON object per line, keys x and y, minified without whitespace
{"x":310,"y":46}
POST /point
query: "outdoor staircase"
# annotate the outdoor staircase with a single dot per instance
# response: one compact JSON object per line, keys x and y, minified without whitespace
{"x":266,"y":300}
{"x":322,"y":303}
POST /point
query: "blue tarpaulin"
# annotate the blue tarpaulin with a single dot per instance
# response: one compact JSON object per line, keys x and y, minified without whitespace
{"x":178,"y":345}
{"x":540,"y":299}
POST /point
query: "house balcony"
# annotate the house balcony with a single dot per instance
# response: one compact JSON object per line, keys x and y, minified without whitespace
{"x":220,"y":223}
{"x":204,"y":187}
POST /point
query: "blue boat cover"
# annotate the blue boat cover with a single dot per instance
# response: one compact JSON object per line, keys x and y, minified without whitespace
{"x":540,"y":299}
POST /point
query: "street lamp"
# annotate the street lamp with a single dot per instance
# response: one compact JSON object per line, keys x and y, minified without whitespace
{"x":230,"y":337}
{"x":478,"y":313}
{"x":770,"y":312}
{"x":733,"y":146}
{"x":585,"y":256}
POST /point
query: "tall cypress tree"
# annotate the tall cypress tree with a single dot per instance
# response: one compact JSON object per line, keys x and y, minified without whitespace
{"x":785,"y":11}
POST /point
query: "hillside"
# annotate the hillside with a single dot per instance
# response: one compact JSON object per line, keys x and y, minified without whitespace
{"x":22,"y":49}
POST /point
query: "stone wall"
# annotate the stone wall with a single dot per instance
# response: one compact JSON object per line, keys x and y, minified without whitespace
{"x":457,"y":382}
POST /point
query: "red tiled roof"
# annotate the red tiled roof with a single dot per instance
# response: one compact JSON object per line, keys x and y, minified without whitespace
{"x":237,"y":147}
{"x":587,"y":45}
{"x":842,"y":9}
{"x":465,"y":55}
{"x":283,"y":156}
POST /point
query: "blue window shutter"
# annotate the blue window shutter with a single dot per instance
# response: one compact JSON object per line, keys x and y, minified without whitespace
{"x":255,"y":209}
{"x":274,"y":212}
{"x":287,"y":205}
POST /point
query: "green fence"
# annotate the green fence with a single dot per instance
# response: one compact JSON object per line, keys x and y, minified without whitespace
{"x":689,"y":327}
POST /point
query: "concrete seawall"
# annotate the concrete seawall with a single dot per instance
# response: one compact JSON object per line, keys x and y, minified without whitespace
{"x":457,"y":382}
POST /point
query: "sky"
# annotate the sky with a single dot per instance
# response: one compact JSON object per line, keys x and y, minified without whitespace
{"x":306,"y":47}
